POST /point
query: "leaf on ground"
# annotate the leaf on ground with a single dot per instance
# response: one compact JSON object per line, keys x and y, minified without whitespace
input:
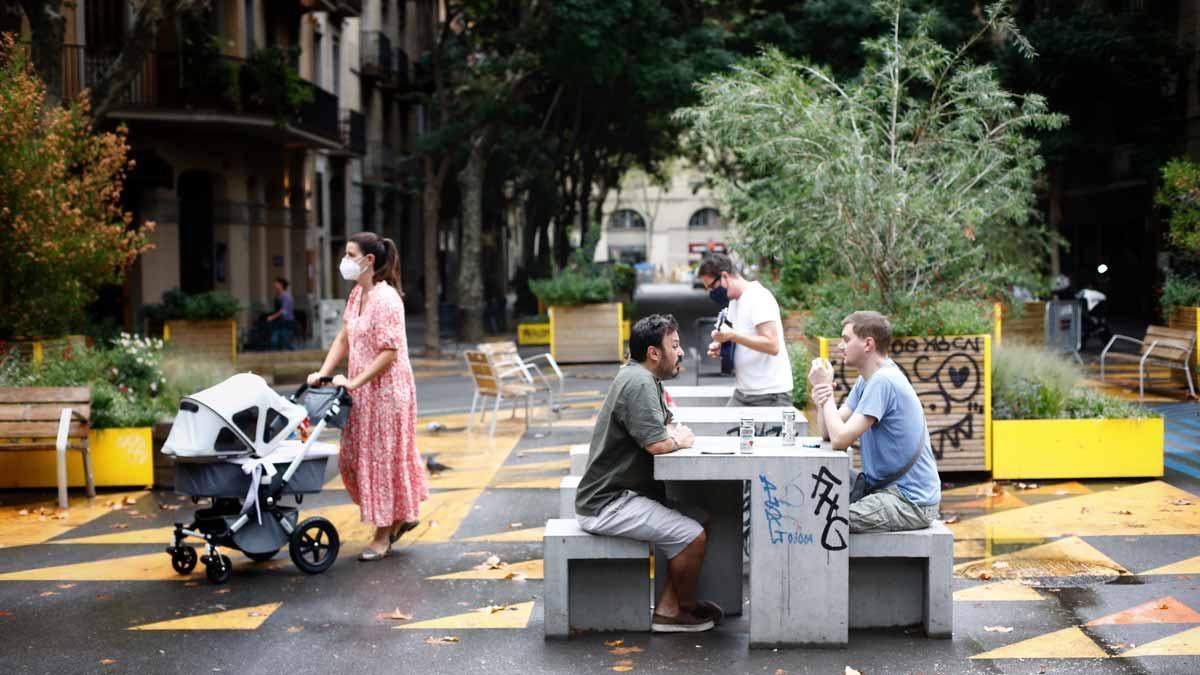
{"x":120,"y":526}
{"x":192,"y":584}
{"x":47,"y":594}
{"x":107,"y":662}
{"x":1164,"y":606}
{"x":514,"y":526}
{"x":622,"y":651}
{"x":492,"y":609}
{"x":397,"y":615}
{"x":221,"y":591}
{"x":1181,"y":502}
{"x":443,"y":640}
{"x":295,"y":629}
{"x":613,"y":643}
{"x":131,"y":500}
{"x":514,"y":576}
{"x":66,"y":586}
{"x":984,"y":576}
{"x":104,"y":597}
{"x":998,"y":629}
{"x":4,"y":614}
{"x":851,"y":671}
{"x":622,"y":669}
{"x":624,"y":662}
{"x":1125,"y":512}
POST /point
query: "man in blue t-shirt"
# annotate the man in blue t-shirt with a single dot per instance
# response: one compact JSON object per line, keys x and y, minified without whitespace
{"x":884,"y":415}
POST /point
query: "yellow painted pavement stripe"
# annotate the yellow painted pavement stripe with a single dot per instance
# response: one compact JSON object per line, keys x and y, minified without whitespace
{"x":1143,"y":509}
{"x":529,"y":483}
{"x":1072,"y":548}
{"x":549,"y":450}
{"x":969,"y":548}
{"x":145,"y":567}
{"x":1068,"y":643}
{"x":1000,"y":502}
{"x":153,"y":535}
{"x":18,"y":530}
{"x":1003,"y":591}
{"x":243,"y":618}
{"x":1186,"y":643}
{"x":551,"y":465}
{"x":576,"y":424}
{"x":527,"y":534}
{"x":1189,"y":566}
{"x":515,"y":616}
{"x":532,"y":569}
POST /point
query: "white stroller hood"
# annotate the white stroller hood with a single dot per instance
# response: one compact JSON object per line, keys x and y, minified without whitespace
{"x":239,"y":417}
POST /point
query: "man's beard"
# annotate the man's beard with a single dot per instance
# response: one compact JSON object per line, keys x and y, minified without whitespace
{"x":669,"y":372}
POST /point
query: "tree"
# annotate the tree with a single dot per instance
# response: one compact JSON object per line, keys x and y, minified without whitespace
{"x":47,"y":22}
{"x":62,"y":230}
{"x":919,"y":174}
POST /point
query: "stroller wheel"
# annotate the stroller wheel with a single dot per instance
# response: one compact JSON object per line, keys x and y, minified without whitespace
{"x":260,"y":557}
{"x":218,"y":569}
{"x":314,"y":545}
{"x":183,"y":559}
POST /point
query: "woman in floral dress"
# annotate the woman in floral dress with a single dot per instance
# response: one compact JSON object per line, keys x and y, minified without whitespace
{"x":379,"y":462}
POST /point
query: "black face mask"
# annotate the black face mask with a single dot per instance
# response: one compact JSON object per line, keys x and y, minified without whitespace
{"x":720,"y":295}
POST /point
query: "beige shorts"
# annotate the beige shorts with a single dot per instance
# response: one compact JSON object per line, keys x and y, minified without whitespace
{"x":636,"y":517}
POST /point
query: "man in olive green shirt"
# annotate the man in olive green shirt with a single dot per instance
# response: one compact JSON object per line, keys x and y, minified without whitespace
{"x":618,"y":495}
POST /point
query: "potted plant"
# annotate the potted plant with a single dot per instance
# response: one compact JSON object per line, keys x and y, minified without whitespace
{"x":202,"y":325}
{"x":1047,"y":424}
{"x":585,"y":320}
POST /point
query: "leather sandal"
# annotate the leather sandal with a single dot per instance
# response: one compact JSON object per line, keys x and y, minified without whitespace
{"x":404,"y":527}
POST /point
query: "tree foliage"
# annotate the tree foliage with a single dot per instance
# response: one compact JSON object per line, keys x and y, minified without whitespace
{"x":62,"y":229}
{"x":919,"y":174}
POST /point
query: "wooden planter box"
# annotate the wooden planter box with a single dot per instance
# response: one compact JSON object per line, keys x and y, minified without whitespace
{"x":214,"y":340}
{"x":952,"y":375}
{"x":1043,"y":449}
{"x":120,"y":457}
{"x":41,"y":349}
{"x":1185,"y":318}
{"x":587,"y":333}
{"x":1028,"y":329}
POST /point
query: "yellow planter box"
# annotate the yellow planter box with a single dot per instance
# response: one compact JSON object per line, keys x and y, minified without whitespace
{"x":1121,"y":448}
{"x":533,"y":333}
{"x":214,"y":339}
{"x":120,"y":457}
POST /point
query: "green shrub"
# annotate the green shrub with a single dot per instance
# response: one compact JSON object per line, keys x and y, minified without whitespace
{"x":1032,"y":384}
{"x":920,"y":314}
{"x":177,"y":305}
{"x":798,"y":355}
{"x":569,"y":288}
{"x":1179,"y":290}
{"x":1180,"y":195}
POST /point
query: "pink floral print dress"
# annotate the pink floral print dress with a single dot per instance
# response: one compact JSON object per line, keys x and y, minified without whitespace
{"x":379,"y":462}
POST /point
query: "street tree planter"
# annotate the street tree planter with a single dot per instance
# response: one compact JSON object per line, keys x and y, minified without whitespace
{"x":952,"y":376}
{"x":211,"y":339}
{"x":590,"y":333}
{"x":1077,"y":448}
{"x":1028,"y":329}
{"x":120,"y":458}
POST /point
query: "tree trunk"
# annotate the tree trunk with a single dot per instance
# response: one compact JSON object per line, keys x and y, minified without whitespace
{"x":470,"y":278}
{"x":431,"y":199}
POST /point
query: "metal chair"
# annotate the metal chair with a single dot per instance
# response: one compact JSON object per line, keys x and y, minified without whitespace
{"x":489,"y":384}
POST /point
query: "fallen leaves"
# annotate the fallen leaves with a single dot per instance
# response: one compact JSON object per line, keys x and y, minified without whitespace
{"x":998,"y":629}
{"x":47,"y":594}
{"x":1181,"y":502}
{"x":1125,"y":512}
{"x":295,"y":629}
{"x":120,"y":526}
{"x":396,"y":615}
{"x":493,"y":609}
{"x":622,"y":651}
{"x":221,"y":591}
{"x":107,"y":662}
{"x":613,"y":643}
{"x":443,"y":640}
{"x":170,"y":507}
{"x":514,"y":576}
{"x":623,"y":666}
{"x":130,"y":501}
{"x":985,"y":576}
{"x":66,"y":586}
{"x":1164,"y":606}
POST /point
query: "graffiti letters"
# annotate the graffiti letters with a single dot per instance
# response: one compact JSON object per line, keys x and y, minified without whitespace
{"x":824,"y":483}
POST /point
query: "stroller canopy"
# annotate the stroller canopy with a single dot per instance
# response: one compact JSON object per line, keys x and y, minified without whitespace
{"x":239,"y":417}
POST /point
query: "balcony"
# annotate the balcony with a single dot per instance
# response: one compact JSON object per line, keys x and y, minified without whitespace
{"x":354,"y":131}
{"x":216,"y":92}
{"x":376,"y":55}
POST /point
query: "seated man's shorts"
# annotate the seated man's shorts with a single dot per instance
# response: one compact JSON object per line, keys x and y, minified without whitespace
{"x":637,"y":517}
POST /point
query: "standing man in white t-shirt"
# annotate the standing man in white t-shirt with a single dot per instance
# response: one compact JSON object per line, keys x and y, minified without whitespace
{"x":760,"y":360}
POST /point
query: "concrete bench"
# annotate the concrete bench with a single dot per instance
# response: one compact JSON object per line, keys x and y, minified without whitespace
{"x":579,"y":458}
{"x":593,"y":582}
{"x":903,"y":579}
{"x":567,"y":488}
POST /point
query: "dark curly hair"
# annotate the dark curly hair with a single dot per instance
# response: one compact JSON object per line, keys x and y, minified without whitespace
{"x":650,"y":332}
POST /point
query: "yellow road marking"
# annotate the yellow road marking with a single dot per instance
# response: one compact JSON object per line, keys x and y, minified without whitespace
{"x":1143,"y":509}
{"x":145,"y":567}
{"x":549,"y":450}
{"x":1070,"y":487}
{"x":1073,"y":549}
{"x":514,"y":616}
{"x":1000,"y":502}
{"x":1189,"y":566}
{"x":534,"y":483}
{"x":243,"y":618}
{"x":18,"y":530}
{"x":532,"y":569}
{"x":1003,"y":591}
{"x":153,"y":535}
{"x":969,"y":548}
{"x":1068,"y":643}
{"x":1162,"y":610}
{"x":527,"y":534}
{"x":1186,"y":643}
{"x":552,"y":465}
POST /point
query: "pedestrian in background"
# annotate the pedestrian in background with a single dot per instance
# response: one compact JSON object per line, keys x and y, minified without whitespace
{"x":378,"y":461}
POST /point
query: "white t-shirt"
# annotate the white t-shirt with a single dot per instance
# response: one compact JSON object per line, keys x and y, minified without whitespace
{"x":757,"y":372}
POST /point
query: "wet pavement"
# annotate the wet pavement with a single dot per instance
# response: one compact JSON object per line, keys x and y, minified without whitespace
{"x":1050,"y":577}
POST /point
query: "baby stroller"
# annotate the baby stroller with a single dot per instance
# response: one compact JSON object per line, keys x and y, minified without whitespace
{"x":244,"y":447}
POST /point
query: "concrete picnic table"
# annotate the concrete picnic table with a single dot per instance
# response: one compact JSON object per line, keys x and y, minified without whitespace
{"x":799,"y":533}
{"x":705,"y":395}
{"x":716,"y":420}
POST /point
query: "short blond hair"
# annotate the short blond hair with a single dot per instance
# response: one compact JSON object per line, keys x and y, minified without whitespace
{"x":874,"y":325}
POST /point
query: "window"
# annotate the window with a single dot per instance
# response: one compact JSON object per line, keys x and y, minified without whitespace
{"x":336,"y":62}
{"x":275,"y":424}
{"x":247,"y":422}
{"x":228,"y":442}
{"x":249,"y":21}
{"x":626,"y":219}
{"x":706,"y":218}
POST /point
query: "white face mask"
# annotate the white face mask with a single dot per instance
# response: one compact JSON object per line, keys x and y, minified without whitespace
{"x":351,"y":269}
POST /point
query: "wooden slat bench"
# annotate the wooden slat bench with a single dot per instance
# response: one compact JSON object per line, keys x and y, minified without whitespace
{"x":48,"y":419}
{"x":1164,"y":347}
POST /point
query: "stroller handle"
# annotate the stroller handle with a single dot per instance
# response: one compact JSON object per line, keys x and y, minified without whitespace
{"x":324,"y":380}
